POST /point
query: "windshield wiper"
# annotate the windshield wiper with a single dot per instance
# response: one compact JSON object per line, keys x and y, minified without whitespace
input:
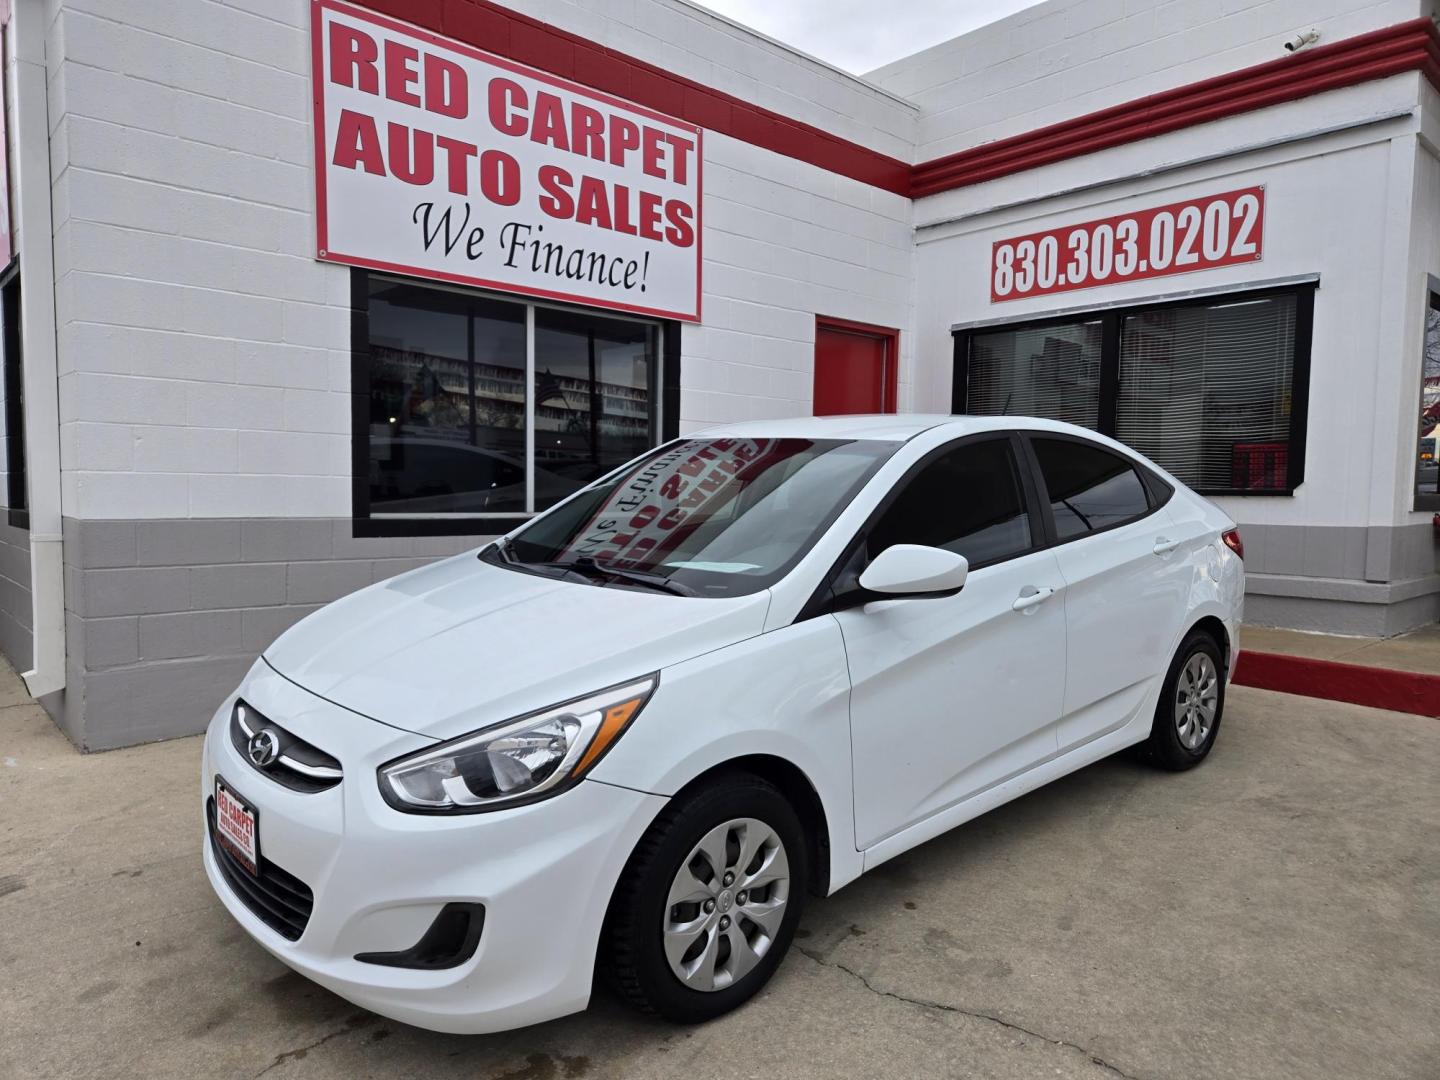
{"x":589,"y":568}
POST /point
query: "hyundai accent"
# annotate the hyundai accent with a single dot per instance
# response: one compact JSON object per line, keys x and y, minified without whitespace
{"x":633,"y":735}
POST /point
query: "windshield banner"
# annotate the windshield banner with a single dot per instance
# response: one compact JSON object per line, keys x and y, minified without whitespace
{"x":672,"y":496}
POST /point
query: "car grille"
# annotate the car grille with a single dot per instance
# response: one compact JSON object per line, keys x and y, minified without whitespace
{"x":278,"y":899}
{"x":299,"y":766}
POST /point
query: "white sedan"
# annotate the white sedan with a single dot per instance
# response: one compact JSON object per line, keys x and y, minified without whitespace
{"x":749,"y":666}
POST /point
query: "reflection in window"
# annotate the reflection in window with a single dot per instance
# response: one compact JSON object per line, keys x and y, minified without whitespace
{"x":453,"y":378}
{"x":967,"y":501}
{"x":1051,"y":371}
{"x":447,"y":402}
{"x":1427,"y":466}
{"x":1214,"y":390}
{"x":719,"y":517}
{"x":1089,"y":488}
{"x":594,"y":382}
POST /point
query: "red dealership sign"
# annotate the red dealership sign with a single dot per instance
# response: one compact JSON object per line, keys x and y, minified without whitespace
{"x":1197,"y":234}
{"x":436,"y":159}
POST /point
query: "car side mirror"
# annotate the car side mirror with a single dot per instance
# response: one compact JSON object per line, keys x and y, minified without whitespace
{"x":914,"y":570}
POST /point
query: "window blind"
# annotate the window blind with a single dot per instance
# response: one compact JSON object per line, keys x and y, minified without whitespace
{"x":1205,"y":391}
{"x":1050,"y":371}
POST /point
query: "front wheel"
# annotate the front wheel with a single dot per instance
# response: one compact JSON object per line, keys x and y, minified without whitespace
{"x":708,"y":904}
{"x":1192,"y":699}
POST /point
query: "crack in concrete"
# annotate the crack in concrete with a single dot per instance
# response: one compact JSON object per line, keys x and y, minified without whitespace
{"x":941,"y":1006}
{"x":300,"y":1051}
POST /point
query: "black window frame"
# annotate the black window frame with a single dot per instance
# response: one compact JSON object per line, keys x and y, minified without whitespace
{"x":12,"y":359}
{"x":362,"y":523}
{"x":1424,"y":501}
{"x":1112,"y":318}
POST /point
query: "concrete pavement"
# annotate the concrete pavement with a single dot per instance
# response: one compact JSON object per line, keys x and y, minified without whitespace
{"x":1418,"y":651}
{"x":1272,"y":914}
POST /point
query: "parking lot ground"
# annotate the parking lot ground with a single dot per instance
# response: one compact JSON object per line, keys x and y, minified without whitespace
{"x":1417,"y":652}
{"x":1271,"y":914}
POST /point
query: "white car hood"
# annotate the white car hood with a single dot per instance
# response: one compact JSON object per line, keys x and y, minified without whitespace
{"x":461,"y":644}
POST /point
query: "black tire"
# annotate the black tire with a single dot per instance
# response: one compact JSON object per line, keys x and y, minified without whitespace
{"x":1166,"y":746}
{"x":633,"y":951}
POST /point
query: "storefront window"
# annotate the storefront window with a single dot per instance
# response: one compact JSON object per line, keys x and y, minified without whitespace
{"x":17,"y":494}
{"x":1427,"y":464}
{"x":1051,"y":370}
{"x":1205,"y":391}
{"x":447,"y":402}
{"x":1212,"y":390}
{"x":449,"y":433}
{"x":593,"y":396}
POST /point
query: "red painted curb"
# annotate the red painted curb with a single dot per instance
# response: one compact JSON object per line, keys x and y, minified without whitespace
{"x":1379,"y":688}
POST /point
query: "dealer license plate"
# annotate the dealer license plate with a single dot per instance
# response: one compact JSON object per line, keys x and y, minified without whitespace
{"x":235,"y":826}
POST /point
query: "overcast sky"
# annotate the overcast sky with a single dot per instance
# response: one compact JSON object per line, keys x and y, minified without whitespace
{"x":860,"y":35}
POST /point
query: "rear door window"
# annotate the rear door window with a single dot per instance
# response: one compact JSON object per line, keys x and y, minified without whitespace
{"x":1089,"y":488}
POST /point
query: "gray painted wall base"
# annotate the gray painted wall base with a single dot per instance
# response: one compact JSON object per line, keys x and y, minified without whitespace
{"x":1352,"y":552}
{"x":16,"y":638}
{"x":1342,"y":616}
{"x":1375,"y":581}
{"x":164,"y":617}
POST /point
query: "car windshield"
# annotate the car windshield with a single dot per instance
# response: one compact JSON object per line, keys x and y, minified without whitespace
{"x":700,"y":517}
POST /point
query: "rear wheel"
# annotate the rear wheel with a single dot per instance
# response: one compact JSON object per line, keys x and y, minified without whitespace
{"x":708,"y":905}
{"x":1192,"y":700}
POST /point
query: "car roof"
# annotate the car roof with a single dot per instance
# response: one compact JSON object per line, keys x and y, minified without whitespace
{"x":887,"y":427}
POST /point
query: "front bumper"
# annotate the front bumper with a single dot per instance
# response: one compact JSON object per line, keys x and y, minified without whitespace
{"x":544,"y":873}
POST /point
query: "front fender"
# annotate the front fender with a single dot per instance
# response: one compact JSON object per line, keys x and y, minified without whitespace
{"x":785,"y":694}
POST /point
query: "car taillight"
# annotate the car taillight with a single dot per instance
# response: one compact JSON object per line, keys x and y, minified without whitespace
{"x":1233,"y":542}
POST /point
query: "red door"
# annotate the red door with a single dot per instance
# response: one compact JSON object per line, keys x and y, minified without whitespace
{"x":855,"y":367}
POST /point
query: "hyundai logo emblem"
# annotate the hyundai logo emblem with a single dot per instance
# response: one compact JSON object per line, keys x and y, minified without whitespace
{"x":264,"y":747}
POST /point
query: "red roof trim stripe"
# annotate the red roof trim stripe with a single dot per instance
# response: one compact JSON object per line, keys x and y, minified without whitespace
{"x":1407,"y":46}
{"x":519,"y":37}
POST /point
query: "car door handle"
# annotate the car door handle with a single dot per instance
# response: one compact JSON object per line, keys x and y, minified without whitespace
{"x":1030,"y":596}
{"x":1164,"y":545}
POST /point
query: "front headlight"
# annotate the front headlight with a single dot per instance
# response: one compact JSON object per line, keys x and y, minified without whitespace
{"x":515,"y":761}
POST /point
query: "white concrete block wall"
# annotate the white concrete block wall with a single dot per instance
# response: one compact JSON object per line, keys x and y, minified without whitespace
{"x":1065,"y":58}
{"x":785,"y":242}
{"x":699,"y":45}
{"x":1350,"y":251}
{"x":204,"y":354}
{"x":197,"y":335}
{"x":1422,"y":272}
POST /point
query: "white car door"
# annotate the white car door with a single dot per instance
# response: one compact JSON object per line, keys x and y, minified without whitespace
{"x":1125,"y":586}
{"x":953,"y":694}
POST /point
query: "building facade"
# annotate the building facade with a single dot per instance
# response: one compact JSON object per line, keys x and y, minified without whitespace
{"x":305,"y":294}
